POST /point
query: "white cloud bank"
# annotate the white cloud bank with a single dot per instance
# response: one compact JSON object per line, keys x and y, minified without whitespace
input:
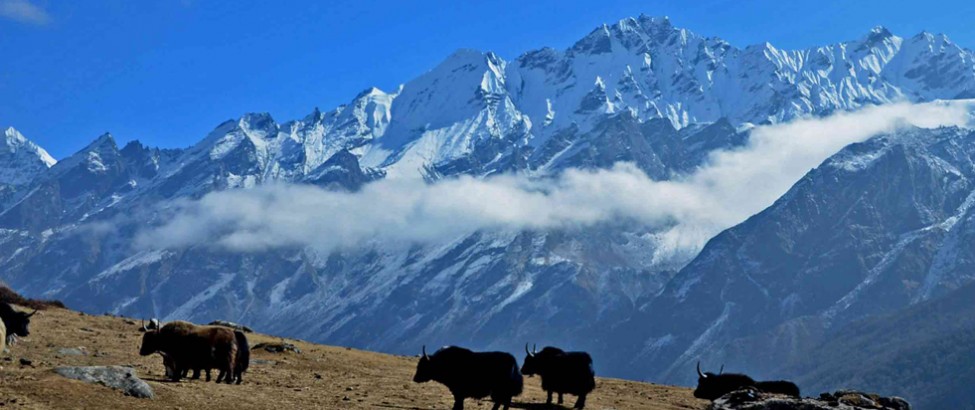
{"x":733,"y":185}
{"x":23,"y":11}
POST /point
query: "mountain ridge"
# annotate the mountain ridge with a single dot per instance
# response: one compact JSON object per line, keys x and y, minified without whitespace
{"x":639,"y":90}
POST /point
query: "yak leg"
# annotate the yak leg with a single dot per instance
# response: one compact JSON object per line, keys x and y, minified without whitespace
{"x":196,"y":374}
{"x":501,"y":401}
{"x":458,"y":403}
{"x":208,"y":373}
{"x":560,"y":398}
{"x":581,"y":403}
{"x":549,"y":401}
{"x":227,"y":375}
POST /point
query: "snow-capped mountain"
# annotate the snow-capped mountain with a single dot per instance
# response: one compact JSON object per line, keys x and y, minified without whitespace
{"x":20,"y":162}
{"x":639,"y":91}
{"x":879,"y":227}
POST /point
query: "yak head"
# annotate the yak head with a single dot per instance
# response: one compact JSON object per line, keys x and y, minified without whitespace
{"x":710,"y":386}
{"x":150,"y":341}
{"x":426,"y":369}
{"x":17,"y":323}
{"x":533,"y":363}
{"x":539,"y":362}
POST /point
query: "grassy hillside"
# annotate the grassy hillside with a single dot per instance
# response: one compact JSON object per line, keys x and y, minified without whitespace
{"x":318,"y":377}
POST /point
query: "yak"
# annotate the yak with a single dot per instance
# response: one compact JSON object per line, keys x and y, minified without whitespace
{"x":15,"y":323}
{"x":176,"y":371}
{"x":711,"y":386}
{"x":561,"y":372}
{"x":194,"y":347}
{"x":469,"y":374}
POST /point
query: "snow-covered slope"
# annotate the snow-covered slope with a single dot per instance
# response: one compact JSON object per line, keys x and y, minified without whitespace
{"x":640,"y":91}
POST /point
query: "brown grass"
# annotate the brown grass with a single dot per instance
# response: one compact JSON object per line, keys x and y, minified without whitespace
{"x":320,"y":377}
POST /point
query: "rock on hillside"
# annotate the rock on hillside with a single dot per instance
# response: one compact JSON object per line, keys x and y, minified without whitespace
{"x":116,"y":377}
{"x":840,"y":400}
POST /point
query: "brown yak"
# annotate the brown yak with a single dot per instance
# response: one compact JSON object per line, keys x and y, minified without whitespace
{"x":176,"y":371}
{"x":194,"y":347}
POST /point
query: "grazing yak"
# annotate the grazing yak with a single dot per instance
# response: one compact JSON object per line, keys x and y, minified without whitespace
{"x":186,"y":346}
{"x":561,"y":372}
{"x":473,"y":375}
{"x":15,"y":323}
{"x":711,"y":386}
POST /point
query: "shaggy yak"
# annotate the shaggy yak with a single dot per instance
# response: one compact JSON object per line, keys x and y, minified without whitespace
{"x":562,"y":372}
{"x":15,"y":323}
{"x":473,"y":375}
{"x":711,"y":386}
{"x":186,"y":346}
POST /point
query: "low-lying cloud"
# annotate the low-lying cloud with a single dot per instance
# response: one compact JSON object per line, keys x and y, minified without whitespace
{"x":731,"y":186}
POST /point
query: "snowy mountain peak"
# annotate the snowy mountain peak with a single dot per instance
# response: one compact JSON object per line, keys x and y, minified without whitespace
{"x":260,"y":124}
{"x":104,"y":143}
{"x":16,"y":142}
{"x":97,"y":157}
{"x":21,"y":160}
{"x":880,"y":32}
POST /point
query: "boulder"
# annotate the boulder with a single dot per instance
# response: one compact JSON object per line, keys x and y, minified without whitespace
{"x":231,"y":325}
{"x":116,"y":377}
{"x":73,"y":351}
{"x":277,"y":347}
{"x":839,"y":400}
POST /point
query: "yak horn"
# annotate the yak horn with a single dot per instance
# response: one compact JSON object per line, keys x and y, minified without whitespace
{"x":721,"y":370}
{"x":528,"y":351}
{"x":144,"y":328}
{"x":534,"y":349}
{"x":425,"y":351}
{"x":699,"y":372}
{"x":32,"y":313}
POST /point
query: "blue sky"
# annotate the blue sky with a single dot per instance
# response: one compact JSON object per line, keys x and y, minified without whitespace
{"x":166,"y":72}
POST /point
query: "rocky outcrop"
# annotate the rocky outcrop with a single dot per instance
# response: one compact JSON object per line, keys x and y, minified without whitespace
{"x":116,"y":377}
{"x":839,"y":400}
{"x":231,"y":325}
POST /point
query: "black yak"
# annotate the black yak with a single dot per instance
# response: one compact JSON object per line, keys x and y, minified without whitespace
{"x":561,"y":372}
{"x":16,"y":323}
{"x":194,"y":347}
{"x":474,"y":375}
{"x":711,"y":386}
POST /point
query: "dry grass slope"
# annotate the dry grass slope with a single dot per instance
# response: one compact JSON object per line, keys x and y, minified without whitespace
{"x":320,"y":377}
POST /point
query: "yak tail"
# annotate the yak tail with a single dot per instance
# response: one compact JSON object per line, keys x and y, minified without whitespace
{"x":243,"y":355}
